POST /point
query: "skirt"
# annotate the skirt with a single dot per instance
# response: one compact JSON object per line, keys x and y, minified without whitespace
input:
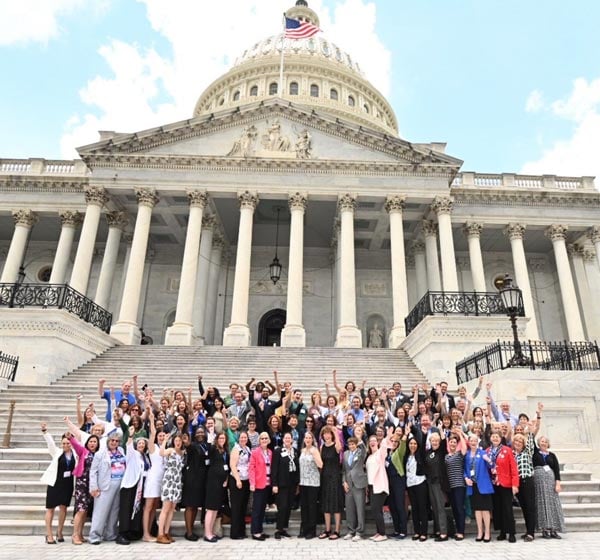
{"x":479,"y":501}
{"x":547,"y":502}
{"x":60,"y":494}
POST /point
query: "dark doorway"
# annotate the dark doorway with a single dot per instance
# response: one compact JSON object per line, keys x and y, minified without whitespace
{"x":270,"y":326}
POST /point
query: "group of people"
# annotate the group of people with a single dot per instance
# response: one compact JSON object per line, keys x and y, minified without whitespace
{"x":339,"y":452}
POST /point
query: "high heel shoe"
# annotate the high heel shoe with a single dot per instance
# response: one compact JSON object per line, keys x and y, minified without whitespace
{"x":478,"y":539}
{"x":60,"y":538}
{"x":50,"y":540}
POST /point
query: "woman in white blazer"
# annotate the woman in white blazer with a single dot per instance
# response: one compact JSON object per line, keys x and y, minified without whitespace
{"x":59,"y":479}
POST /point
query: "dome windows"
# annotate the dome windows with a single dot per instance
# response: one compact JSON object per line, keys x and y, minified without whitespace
{"x":314,"y":90}
{"x":253,"y":91}
{"x":333,"y":94}
{"x":366,"y":108}
{"x":236,"y":95}
{"x":273,"y":88}
{"x":351,"y":101}
{"x":221,"y":101}
{"x":294,"y":88}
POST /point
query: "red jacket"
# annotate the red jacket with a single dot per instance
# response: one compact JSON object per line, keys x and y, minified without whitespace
{"x":257,"y":469}
{"x":507,"y":473}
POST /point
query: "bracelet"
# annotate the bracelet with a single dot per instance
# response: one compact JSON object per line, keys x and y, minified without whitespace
{"x":539,"y":417}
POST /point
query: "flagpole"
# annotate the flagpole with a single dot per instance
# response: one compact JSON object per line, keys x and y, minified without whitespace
{"x":281,"y":62}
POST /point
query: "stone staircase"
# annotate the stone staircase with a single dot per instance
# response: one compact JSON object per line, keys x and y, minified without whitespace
{"x":22,"y":495}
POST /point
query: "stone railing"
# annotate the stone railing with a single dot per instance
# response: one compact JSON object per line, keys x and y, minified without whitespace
{"x":467,"y":180}
{"x":39,"y":166}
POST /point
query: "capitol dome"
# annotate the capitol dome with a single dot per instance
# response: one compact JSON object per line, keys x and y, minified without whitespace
{"x":317,"y":74}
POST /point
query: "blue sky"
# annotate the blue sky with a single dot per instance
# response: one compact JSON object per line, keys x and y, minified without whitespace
{"x":511,"y":86}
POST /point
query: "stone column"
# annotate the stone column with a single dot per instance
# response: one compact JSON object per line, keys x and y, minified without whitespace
{"x":335,"y":256}
{"x":181,"y":332}
{"x":594,"y":236}
{"x":24,"y":221}
{"x":238,"y":332}
{"x":348,"y":334}
{"x":590,"y":265}
{"x":117,"y":221}
{"x":588,"y":307}
{"x":69,"y":222}
{"x":418,"y":249}
{"x":214,"y":272}
{"x":394,"y":206}
{"x":95,"y":198}
{"x":515,"y":233}
{"x":472,"y":231}
{"x":200,"y":302}
{"x":126,"y":329}
{"x":293,"y":333}
{"x":434,"y":283}
{"x":442,"y":206}
{"x":557,"y":234}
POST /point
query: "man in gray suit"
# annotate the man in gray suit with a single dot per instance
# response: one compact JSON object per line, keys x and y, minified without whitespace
{"x":240,"y":408}
{"x":355,"y":482}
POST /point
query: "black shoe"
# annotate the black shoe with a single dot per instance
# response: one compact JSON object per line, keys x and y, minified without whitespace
{"x":546,"y":534}
{"x":122,"y":540}
{"x":554,"y":535}
{"x":60,"y":539}
{"x":501,"y":537}
{"x":512,"y":538}
{"x":94,"y":542}
{"x":285,"y":534}
{"x":192,"y":537}
{"x":439,"y":538}
{"x":211,"y":540}
{"x":278,"y":535}
{"x":48,"y":541}
{"x":478,"y":539}
{"x":262,"y":537}
{"x":310,"y":536}
{"x":487,"y":540}
{"x":241,"y":537}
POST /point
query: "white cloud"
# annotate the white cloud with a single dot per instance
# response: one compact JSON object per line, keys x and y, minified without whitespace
{"x":577,"y":155}
{"x":535,"y":102}
{"x":24,"y":21}
{"x":146,"y":89}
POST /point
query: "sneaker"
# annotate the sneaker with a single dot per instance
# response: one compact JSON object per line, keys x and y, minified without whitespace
{"x":348,"y":537}
{"x":380,"y":538}
{"x":356,"y":538}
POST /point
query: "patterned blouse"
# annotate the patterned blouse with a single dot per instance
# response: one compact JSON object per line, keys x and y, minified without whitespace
{"x":525,"y":458}
{"x":309,"y":472}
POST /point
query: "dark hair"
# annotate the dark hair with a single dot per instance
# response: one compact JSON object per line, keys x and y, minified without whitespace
{"x":97,"y":442}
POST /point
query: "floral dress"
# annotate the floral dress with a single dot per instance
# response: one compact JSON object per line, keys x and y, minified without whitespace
{"x":172,"y":484}
{"x":83,"y":499}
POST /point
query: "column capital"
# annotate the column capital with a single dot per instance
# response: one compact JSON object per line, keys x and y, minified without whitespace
{"x":146,"y":197}
{"x":589,"y":255}
{"x":70,"y":218}
{"x":248,"y":199}
{"x":429,"y":228}
{"x":117,"y":219}
{"x":515,"y":231}
{"x":198,"y":199}
{"x":575,"y":251}
{"x":25,"y":218}
{"x":96,"y":196}
{"x":297,"y":201}
{"x":209,"y":221}
{"x":556,"y":232}
{"x":218,"y":241}
{"x":418,"y":247}
{"x":395,"y":203}
{"x":347,"y":203}
{"x":442,"y":205}
{"x":593,"y":234}
{"x":472,"y":229}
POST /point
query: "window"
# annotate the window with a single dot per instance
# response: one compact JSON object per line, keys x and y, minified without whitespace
{"x":294,"y":88}
{"x":351,"y":101}
{"x":236,"y":95}
{"x":314,"y":90}
{"x":366,"y":108}
{"x":221,"y":101}
{"x":273,"y":88}
{"x":253,"y":91}
{"x":333,"y":94}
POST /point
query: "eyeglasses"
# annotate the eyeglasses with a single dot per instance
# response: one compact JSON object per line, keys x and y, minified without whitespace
{"x":264,"y":438}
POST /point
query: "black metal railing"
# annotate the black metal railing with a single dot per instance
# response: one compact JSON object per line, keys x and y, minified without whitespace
{"x":541,"y":355}
{"x":8,"y":366}
{"x":457,"y":303}
{"x":61,"y":296}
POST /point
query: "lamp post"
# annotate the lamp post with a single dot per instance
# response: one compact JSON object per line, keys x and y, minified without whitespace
{"x":512,"y":300}
{"x":275,"y":266}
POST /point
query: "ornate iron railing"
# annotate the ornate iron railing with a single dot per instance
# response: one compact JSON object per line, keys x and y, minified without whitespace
{"x":457,"y":303}
{"x":8,"y":366}
{"x":61,"y":296}
{"x":541,"y":355}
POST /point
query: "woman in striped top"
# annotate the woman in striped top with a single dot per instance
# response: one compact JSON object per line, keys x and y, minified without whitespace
{"x":455,"y":463}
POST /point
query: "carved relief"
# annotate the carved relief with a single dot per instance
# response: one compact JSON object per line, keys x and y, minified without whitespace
{"x":70,"y":218}
{"x":374,"y":289}
{"x":556,"y":232}
{"x":536,"y":264}
{"x":244,"y":146}
{"x":273,"y":140}
{"x":304,"y":145}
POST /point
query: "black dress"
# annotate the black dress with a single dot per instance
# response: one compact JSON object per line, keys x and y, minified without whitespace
{"x":194,"y":475}
{"x":61,"y":493}
{"x":218,"y":471}
{"x":332,"y":494}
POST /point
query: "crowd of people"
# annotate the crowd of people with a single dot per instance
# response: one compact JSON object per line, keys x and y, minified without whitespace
{"x":262,"y":448}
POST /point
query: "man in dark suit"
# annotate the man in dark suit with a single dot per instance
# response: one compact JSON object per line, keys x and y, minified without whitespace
{"x":422,"y":432}
{"x":441,"y":399}
{"x":263,"y":406}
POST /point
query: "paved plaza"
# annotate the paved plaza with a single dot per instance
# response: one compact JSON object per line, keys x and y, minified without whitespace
{"x":574,"y":545}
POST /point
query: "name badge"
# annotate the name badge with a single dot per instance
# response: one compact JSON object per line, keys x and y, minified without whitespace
{"x":387,"y":463}
{"x":67,"y":474}
{"x":225,"y":468}
{"x":472,"y":473}
{"x":303,"y":411}
{"x":547,"y":468}
{"x":207,"y":462}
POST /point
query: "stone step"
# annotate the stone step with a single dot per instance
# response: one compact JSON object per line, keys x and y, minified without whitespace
{"x":19,"y":474}
{"x":23,"y":498}
{"x":580,"y":485}
{"x":580,"y":497}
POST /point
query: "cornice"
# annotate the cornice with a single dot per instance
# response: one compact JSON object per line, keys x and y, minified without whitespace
{"x":22,"y":183}
{"x":523,"y":198}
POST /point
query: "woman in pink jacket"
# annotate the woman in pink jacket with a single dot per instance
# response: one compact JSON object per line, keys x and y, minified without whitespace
{"x":259,"y":474}
{"x":378,"y":481}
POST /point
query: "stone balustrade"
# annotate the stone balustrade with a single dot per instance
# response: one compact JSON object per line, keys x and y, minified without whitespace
{"x":40,"y":166}
{"x":510,"y":180}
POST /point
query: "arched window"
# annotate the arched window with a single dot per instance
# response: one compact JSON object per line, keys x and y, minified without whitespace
{"x":333,"y":94}
{"x":366,"y":108}
{"x":351,"y":101}
{"x":253,"y":91}
{"x":236,"y":95}
{"x":314,"y":90}
{"x":273,"y":88}
{"x":294,"y":88}
{"x":221,"y":101}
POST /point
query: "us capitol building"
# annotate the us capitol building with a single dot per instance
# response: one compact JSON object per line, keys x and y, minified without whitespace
{"x":172,"y":230}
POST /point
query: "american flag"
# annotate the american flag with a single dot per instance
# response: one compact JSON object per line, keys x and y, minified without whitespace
{"x":295,"y":29}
